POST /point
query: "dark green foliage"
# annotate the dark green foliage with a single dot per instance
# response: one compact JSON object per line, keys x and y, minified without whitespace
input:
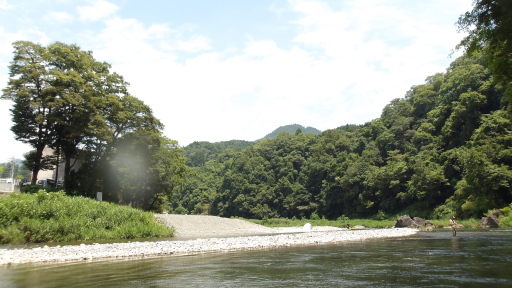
{"x":489,"y":28}
{"x":443,"y":149}
{"x":54,"y":217}
{"x":506,"y":218}
{"x":198,"y":153}
{"x":66,"y":100}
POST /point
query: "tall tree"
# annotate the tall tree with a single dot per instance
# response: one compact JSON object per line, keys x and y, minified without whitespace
{"x":489,"y":28}
{"x":79,"y":95}
{"x":147,"y":167}
{"x":30,"y":89}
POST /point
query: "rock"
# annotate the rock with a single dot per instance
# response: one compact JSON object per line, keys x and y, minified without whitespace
{"x":404,"y":221}
{"x":416,"y":223}
{"x":491,"y":221}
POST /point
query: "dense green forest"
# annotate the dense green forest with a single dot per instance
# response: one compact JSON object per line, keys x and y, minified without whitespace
{"x":200,"y":152}
{"x":443,"y":149}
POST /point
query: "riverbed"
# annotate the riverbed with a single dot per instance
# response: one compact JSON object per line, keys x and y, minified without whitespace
{"x":436,"y":259}
{"x":144,"y":249}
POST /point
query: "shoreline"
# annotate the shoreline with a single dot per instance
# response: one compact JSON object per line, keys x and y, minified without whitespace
{"x":110,"y":251}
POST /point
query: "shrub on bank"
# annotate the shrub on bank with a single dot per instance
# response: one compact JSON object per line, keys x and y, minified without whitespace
{"x":506,"y":218}
{"x":467,"y":223}
{"x":505,"y":222}
{"x":54,"y":217}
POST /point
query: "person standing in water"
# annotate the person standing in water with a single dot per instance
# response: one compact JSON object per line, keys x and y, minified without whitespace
{"x":453,"y":224}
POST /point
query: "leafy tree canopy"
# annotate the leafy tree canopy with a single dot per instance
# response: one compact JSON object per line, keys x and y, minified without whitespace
{"x":441,"y":150}
{"x":489,"y":28}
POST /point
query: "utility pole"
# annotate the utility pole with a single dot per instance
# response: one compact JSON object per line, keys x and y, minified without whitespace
{"x":12,"y":166}
{"x":12,"y":172}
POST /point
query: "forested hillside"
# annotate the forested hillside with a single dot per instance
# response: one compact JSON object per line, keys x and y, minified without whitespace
{"x":444,"y":148}
{"x":200,"y":152}
{"x":292,"y":129}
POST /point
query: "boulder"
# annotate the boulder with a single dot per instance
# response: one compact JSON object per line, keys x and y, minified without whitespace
{"x":403,"y":222}
{"x":491,"y":221}
{"x":416,"y":223}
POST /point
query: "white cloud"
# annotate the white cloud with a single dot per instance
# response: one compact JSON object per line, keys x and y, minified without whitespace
{"x":377,"y":50}
{"x":100,"y":9}
{"x":346,"y":65}
{"x":4,"y":5}
{"x":193,"y":45}
{"x":58,"y":17}
{"x":343,"y":66}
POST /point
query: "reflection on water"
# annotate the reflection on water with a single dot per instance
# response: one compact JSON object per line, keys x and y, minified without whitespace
{"x":472,"y":259}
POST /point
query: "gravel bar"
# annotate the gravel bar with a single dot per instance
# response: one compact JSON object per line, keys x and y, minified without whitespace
{"x":281,"y":238}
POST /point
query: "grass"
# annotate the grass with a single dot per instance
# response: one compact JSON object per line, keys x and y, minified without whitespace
{"x":54,"y":217}
{"x":468,"y":223}
{"x":368,"y":223}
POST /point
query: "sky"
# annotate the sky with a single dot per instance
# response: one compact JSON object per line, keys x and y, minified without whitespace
{"x":238,"y":69}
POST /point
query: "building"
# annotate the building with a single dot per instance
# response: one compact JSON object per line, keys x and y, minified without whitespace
{"x":43,"y":175}
{"x":8,"y":185}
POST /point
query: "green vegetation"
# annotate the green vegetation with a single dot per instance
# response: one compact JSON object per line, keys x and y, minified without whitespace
{"x":107,"y":139}
{"x":54,"y":217}
{"x":490,"y":33}
{"x":467,"y":223}
{"x":16,"y":167}
{"x":198,"y":153}
{"x":442,"y":150}
{"x":505,"y":222}
{"x":506,"y":218}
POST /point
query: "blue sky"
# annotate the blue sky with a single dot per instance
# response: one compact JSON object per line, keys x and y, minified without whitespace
{"x":225,"y":69}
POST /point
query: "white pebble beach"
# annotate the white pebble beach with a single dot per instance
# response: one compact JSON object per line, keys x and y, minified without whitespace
{"x":57,"y":254}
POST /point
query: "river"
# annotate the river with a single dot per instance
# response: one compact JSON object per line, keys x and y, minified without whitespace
{"x":436,"y":259}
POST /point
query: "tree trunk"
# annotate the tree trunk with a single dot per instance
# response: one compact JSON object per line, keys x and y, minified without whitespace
{"x":37,"y":164}
{"x":67,"y":172}
{"x":57,"y":166}
{"x":153,"y":203}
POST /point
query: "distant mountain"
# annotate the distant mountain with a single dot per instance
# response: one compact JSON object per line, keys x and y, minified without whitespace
{"x":200,"y":152}
{"x":292,"y":129}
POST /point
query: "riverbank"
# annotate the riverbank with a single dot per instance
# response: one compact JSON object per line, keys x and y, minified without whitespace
{"x":280,"y":238}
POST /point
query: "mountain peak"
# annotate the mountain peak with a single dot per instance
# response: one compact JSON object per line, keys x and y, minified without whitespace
{"x":292,"y":128}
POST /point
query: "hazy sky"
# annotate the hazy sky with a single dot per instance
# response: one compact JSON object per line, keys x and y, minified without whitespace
{"x":219,"y":70}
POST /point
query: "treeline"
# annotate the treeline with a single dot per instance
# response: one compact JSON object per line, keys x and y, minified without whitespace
{"x":14,"y":169}
{"x":66,"y":100}
{"x":200,"y":152}
{"x":443,"y":149}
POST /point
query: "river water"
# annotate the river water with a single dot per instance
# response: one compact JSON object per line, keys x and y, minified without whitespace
{"x":436,"y":259}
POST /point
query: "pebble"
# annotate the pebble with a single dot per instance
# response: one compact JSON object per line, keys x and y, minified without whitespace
{"x":97,"y":251}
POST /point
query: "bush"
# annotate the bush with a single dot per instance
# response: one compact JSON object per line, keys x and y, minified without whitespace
{"x":506,"y":218}
{"x":54,"y":217}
